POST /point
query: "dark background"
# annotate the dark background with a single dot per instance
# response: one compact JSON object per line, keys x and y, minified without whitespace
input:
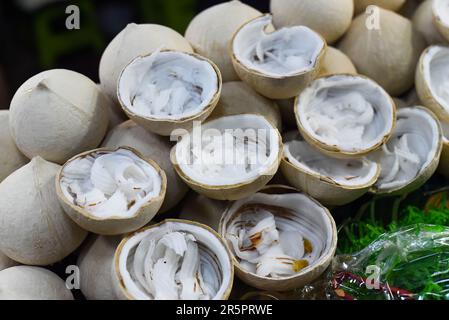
{"x":34,"y":38}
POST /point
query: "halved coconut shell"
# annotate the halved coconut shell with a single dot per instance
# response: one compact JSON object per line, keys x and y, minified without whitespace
{"x":168,"y":90}
{"x":277,"y":64}
{"x":345,"y":116}
{"x":432,"y":80}
{"x":443,"y":167}
{"x":280,"y":239}
{"x":440,"y":11}
{"x":229,"y":158}
{"x":188,"y":251}
{"x":412,"y":155}
{"x":111,"y":192}
{"x":331,"y":181}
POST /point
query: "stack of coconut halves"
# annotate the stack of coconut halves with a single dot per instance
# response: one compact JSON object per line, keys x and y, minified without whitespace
{"x":241,"y":100}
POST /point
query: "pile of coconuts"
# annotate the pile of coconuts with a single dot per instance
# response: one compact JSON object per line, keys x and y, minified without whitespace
{"x":354,"y":95}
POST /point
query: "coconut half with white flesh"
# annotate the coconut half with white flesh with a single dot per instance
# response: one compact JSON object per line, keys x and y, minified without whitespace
{"x":277,"y":64}
{"x":412,"y":155}
{"x":173,"y":260}
{"x":168,"y":90}
{"x":331,"y":181}
{"x":111,"y":192}
{"x":280,"y":240}
{"x":432,"y":80}
{"x":229,"y":158}
{"x":345,"y":116}
{"x":443,"y":167}
{"x":440,"y":10}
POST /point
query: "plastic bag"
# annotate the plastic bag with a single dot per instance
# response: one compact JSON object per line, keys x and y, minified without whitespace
{"x":411,"y":263}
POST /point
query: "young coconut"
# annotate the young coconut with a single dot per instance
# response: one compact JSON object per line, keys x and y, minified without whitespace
{"x":111,"y":192}
{"x":210,"y":33}
{"x":202,"y":209}
{"x":440,"y":10}
{"x":412,"y":155}
{"x":95,"y":264}
{"x":133,"y":41}
{"x":11,"y":158}
{"x":336,"y":62}
{"x":432,"y":80}
{"x":58,"y":114}
{"x":345,"y":116}
{"x":239,"y":98}
{"x":277,"y":64}
{"x":379,"y":53}
{"x":34,"y":228}
{"x":153,"y":146}
{"x":393,"y":5}
{"x":443,"y":167}
{"x":6,"y":262}
{"x":329,"y":18}
{"x":280,"y":240}
{"x":32,"y":283}
{"x":331,"y":181}
{"x":173,"y":260}
{"x":423,"y":21}
{"x":169,"y":90}
{"x":229,"y":158}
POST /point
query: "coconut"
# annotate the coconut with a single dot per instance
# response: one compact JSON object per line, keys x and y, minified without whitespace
{"x":229,"y":158}
{"x":412,"y":155}
{"x":133,"y":41}
{"x":444,"y":160}
{"x":393,"y":5}
{"x":424,"y":23}
{"x":345,"y":116}
{"x":173,"y":260}
{"x":202,"y":209}
{"x":111,"y":192}
{"x":32,"y":283}
{"x":11,"y":158}
{"x":169,"y":90}
{"x":336,"y":62}
{"x":280,"y":240}
{"x":34,"y":229}
{"x":6,"y":262}
{"x":440,"y":10}
{"x":210,"y":32}
{"x":330,"y":181}
{"x":386,"y":51}
{"x":409,"y":8}
{"x":329,"y":18}
{"x":58,"y":114}
{"x":95,"y":264}
{"x":239,"y":98}
{"x":129,"y":134}
{"x":432,"y":80}
{"x":277,"y":64}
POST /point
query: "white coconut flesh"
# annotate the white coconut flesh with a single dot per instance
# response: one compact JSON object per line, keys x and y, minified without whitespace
{"x":110,"y":184}
{"x":277,"y":236}
{"x":436,"y":74}
{"x":441,"y":10}
{"x":168,"y":85}
{"x":229,"y":150}
{"x":175,"y":261}
{"x":285,"y":52}
{"x":345,"y":172}
{"x":350,"y":113}
{"x":413,"y":146}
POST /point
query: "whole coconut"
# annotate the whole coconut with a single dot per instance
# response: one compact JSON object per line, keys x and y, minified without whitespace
{"x":32,"y":283}
{"x":329,"y":18}
{"x":211,"y":31}
{"x":131,"y":42}
{"x":394,"y":5}
{"x":11,"y":158}
{"x":57,"y":114}
{"x":387,"y":51}
{"x":34,"y":229}
{"x":157,"y":148}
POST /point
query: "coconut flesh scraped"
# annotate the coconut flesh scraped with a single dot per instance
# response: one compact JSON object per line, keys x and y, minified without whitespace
{"x":174,"y":260}
{"x":110,"y":184}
